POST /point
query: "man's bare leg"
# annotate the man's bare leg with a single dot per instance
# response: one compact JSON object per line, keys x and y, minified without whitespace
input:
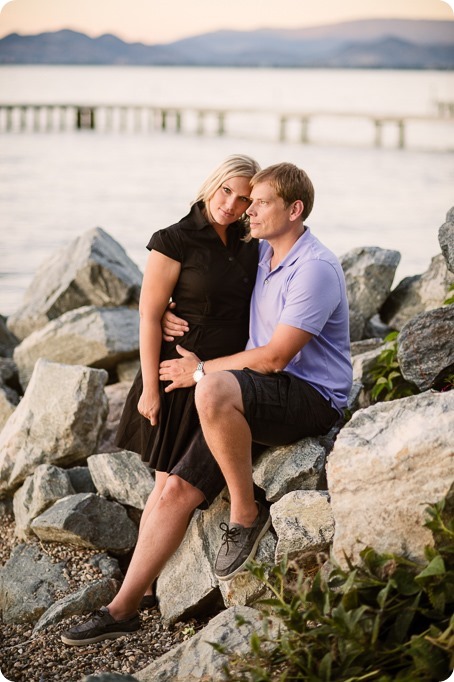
{"x":220,"y":406}
{"x":161,"y":535}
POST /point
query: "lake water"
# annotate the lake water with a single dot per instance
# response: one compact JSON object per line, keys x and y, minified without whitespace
{"x":56,"y":185}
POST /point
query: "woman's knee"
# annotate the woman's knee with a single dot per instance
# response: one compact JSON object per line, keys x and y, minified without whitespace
{"x":179,"y":492}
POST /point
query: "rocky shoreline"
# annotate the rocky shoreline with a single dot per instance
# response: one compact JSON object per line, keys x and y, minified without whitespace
{"x":70,"y":501}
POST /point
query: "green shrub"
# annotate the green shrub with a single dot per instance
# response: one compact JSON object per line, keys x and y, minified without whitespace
{"x":388,"y":382}
{"x":390,"y":619}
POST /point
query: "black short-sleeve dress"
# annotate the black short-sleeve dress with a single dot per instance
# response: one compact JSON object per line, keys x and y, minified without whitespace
{"x":213,"y":294}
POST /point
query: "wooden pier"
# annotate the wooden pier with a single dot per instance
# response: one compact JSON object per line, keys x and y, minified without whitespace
{"x":143,"y":118}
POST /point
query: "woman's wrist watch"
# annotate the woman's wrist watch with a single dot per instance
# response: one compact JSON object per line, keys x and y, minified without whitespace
{"x":199,"y":373}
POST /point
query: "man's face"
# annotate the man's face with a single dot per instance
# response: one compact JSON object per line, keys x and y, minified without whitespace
{"x":268,"y":215}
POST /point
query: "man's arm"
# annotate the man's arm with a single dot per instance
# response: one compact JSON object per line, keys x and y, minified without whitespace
{"x":285,"y":343}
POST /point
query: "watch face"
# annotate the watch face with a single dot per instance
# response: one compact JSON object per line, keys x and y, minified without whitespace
{"x":198,"y":374}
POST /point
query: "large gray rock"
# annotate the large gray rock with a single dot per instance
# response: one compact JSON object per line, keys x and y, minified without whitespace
{"x":39,"y":491}
{"x":87,"y":599}
{"x":58,"y":421}
{"x":389,"y":462}
{"x":446,"y":239}
{"x":93,"y":270}
{"x":122,"y":476}
{"x":298,"y":466}
{"x":87,"y":520}
{"x":415,"y":295}
{"x":369,"y":273}
{"x":81,"y":480}
{"x":304,"y":524}
{"x":29,"y":582}
{"x":96,"y":337}
{"x":197,"y":659}
{"x":425,"y":346}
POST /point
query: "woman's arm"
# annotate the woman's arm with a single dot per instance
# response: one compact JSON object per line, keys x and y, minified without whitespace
{"x":161,"y":275}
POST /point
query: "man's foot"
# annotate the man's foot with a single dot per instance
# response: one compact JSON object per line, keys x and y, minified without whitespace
{"x":240,"y":544}
{"x":101,"y":626}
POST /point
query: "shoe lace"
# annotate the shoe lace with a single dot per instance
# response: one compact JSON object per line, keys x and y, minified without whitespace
{"x":229,"y":535}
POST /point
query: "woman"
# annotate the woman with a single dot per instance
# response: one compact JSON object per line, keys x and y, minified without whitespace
{"x":207,"y":263}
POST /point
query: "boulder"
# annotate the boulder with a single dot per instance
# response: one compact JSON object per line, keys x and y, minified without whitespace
{"x":95,"y":337}
{"x":92,"y":270}
{"x":304,"y":525}
{"x":58,"y":421}
{"x":425,"y":347}
{"x":29,"y":582}
{"x":8,"y":341}
{"x":298,"y":466}
{"x":122,"y":476}
{"x":39,"y":491}
{"x":116,"y":396}
{"x":81,"y":480}
{"x":446,"y":239}
{"x":197,"y":659}
{"x":85,"y":600}
{"x":369,"y":273}
{"x":418,"y":294}
{"x":87,"y":520}
{"x":389,"y":462}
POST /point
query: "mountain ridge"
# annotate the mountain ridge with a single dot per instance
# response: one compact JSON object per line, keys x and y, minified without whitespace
{"x":381,"y":43}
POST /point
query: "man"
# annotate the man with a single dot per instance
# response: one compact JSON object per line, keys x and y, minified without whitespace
{"x":296,"y":384}
{"x":294,"y":377}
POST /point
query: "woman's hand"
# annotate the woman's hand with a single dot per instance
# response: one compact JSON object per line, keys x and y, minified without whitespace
{"x":180,"y":370}
{"x":172,"y":325}
{"x":149,"y":406}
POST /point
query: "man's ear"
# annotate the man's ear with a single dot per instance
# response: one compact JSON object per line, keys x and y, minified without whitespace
{"x":297,"y":210}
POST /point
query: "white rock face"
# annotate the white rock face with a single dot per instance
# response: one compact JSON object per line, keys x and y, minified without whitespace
{"x":304,"y":524}
{"x":388,"y":463}
{"x":93,"y":270}
{"x":122,"y":476}
{"x":58,"y":421}
{"x":96,"y":337}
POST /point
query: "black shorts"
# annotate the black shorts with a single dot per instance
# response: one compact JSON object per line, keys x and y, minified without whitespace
{"x":279,"y":408}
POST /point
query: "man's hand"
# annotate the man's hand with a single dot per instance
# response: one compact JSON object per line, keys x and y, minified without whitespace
{"x":172,"y":325}
{"x":180,"y":370}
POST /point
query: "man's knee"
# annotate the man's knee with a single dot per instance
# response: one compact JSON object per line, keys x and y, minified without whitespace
{"x":216,"y":393}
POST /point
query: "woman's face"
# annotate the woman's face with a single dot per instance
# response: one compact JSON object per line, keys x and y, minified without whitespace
{"x":230,"y":201}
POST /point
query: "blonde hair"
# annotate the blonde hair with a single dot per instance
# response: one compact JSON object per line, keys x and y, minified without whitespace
{"x":236,"y":165}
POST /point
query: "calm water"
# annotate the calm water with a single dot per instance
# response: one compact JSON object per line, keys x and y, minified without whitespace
{"x":54,"y":186}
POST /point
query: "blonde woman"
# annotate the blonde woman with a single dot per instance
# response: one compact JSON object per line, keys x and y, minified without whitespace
{"x":207,"y":263}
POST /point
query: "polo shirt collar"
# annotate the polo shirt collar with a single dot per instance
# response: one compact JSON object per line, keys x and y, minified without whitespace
{"x":290,"y":258}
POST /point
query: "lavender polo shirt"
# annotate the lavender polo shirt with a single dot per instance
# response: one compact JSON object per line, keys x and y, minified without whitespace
{"x":306,"y":290}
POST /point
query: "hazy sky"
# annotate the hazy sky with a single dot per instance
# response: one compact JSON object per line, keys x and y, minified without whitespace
{"x":155,"y":21}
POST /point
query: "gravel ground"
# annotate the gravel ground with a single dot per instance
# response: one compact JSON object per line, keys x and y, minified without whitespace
{"x":44,"y":658}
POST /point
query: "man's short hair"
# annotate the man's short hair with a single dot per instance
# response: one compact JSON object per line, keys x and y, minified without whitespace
{"x":290,"y":183}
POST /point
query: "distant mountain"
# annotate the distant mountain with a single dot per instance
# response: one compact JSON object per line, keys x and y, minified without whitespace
{"x":377,"y":43}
